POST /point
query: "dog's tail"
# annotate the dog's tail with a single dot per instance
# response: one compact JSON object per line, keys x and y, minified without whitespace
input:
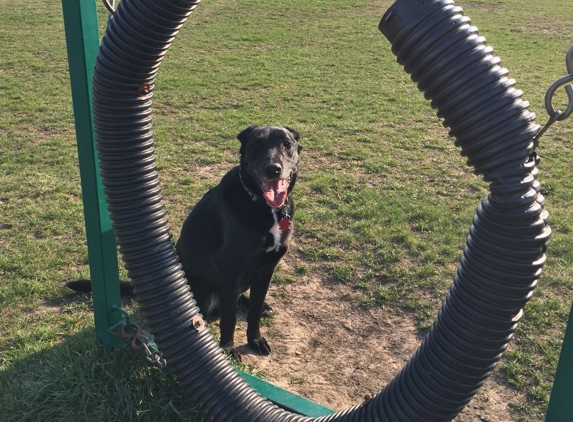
{"x":85,"y":286}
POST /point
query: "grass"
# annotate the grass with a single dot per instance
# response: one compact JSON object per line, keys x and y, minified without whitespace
{"x":77,"y":380}
{"x":384,"y":200}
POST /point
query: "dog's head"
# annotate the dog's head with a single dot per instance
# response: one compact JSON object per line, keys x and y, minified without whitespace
{"x":270,"y":155}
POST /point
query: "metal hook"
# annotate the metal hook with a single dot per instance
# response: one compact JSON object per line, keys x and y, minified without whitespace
{"x":566,"y":83}
{"x":109,"y":6}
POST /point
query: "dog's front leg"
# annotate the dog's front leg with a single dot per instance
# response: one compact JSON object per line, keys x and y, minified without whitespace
{"x":257,"y":301}
{"x":228,"y":306}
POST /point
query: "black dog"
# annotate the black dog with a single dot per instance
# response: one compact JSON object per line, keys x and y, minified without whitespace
{"x":238,"y":232}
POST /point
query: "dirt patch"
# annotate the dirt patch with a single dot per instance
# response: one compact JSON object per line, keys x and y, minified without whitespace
{"x":482,"y":4}
{"x":331,"y":351}
{"x":327,"y":350}
{"x":543,"y":28}
{"x":48,"y":308}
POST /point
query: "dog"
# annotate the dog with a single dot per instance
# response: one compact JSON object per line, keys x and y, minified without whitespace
{"x":234,"y":238}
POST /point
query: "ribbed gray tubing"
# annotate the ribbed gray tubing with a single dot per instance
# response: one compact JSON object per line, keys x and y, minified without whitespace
{"x":502,"y":260}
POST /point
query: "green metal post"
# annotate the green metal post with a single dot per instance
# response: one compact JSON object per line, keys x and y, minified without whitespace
{"x":82,"y":39}
{"x":561,"y":402}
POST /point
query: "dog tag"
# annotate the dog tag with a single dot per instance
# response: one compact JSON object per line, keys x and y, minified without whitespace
{"x":284,"y":224}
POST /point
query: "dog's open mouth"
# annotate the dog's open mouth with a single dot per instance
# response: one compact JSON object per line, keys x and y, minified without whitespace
{"x":275,"y":191}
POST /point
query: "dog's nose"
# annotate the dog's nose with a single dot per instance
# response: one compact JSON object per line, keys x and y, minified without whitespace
{"x":273,"y":170}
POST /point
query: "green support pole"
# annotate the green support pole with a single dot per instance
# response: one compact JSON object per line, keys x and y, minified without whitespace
{"x":561,"y":402}
{"x":82,"y":39}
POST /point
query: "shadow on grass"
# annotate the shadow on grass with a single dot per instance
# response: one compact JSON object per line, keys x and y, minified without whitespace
{"x":78,"y":380}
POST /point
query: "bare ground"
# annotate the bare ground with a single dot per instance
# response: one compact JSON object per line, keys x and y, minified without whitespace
{"x":329,"y":350}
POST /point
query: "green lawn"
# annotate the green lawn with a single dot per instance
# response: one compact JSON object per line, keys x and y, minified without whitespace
{"x":384,"y":200}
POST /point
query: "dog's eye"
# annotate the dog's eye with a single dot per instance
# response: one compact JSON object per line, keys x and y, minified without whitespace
{"x":287,"y":144}
{"x":257,"y":146}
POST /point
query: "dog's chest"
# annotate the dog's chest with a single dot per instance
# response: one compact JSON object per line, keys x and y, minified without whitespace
{"x":275,"y":236}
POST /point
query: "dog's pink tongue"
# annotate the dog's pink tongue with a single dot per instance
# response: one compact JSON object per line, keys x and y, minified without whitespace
{"x":275,"y":192}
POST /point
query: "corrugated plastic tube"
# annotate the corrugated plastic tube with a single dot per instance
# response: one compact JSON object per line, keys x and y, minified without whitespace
{"x":502,"y":259}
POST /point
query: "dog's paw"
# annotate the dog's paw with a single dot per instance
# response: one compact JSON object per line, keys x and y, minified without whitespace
{"x":260,"y":346}
{"x":234,"y":354}
{"x":267,"y":310}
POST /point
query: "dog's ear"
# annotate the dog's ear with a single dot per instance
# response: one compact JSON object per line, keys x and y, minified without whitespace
{"x":295,"y":134}
{"x":244,"y":135}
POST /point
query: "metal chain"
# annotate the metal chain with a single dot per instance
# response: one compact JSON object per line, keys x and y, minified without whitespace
{"x":555,"y":115}
{"x":138,"y":339}
{"x":141,"y":340}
